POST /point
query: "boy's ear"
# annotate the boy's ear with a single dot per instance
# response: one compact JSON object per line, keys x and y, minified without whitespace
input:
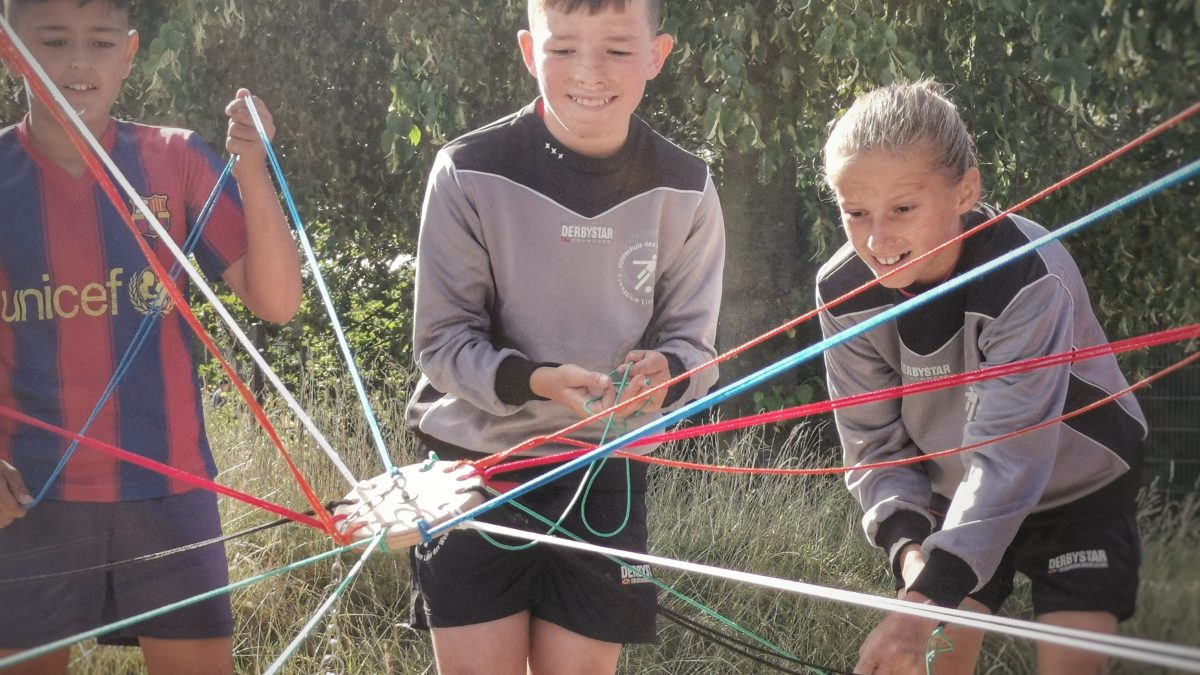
{"x":970,"y":190}
{"x":130,"y":50}
{"x":660,"y":49}
{"x":525,"y":42}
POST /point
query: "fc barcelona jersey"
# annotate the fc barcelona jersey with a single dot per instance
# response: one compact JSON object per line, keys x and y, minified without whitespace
{"x":74,"y":288}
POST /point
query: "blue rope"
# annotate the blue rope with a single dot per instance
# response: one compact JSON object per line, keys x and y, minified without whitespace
{"x":326,"y":299}
{"x":145,"y":328}
{"x":807,"y":354}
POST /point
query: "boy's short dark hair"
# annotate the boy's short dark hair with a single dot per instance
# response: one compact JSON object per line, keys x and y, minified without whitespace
{"x":653,"y":7}
{"x":10,"y":5}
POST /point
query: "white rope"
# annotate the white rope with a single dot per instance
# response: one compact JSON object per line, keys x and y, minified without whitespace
{"x":163,"y":235}
{"x":1134,"y":649}
{"x":308,"y":628}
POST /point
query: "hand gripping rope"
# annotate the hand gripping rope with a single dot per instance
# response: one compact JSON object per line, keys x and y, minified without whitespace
{"x":456,"y":478}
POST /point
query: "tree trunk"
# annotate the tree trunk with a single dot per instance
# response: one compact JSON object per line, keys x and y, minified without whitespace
{"x":768,"y":271}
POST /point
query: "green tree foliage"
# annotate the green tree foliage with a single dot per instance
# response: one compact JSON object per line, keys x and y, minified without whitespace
{"x":365,"y":92}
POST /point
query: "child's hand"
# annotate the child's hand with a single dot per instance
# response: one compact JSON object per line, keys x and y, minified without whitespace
{"x":13,"y":495}
{"x":912,"y":561}
{"x":897,"y":645}
{"x":573,"y":387}
{"x":646,"y":370}
{"x":242,"y":138}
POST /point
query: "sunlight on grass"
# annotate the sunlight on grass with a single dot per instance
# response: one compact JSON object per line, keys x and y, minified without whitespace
{"x":795,"y":528}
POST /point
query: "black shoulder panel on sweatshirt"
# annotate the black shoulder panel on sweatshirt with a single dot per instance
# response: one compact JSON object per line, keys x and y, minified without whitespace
{"x":520,"y":148}
{"x":993,"y":292}
{"x":846,"y":272}
{"x":1108,"y":425}
{"x":929,"y":327}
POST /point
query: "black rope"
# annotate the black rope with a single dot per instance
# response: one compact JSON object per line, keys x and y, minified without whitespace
{"x":744,"y":648}
{"x":162,"y":554}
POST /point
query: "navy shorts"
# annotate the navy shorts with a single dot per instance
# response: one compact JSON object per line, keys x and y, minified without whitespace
{"x":1086,"y":565}
{"x":461,"y":579}
{"x":66,"y":536}
{"x":1081,"y":557}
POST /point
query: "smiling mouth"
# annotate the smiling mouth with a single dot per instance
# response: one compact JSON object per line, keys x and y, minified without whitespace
{"x":893,"y":260}
{"x":79,"y":87}
{"x":593,"y":101}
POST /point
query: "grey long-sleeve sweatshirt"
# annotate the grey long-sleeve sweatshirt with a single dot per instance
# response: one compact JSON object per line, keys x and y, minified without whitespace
{"x":530,"y":253}
{"x":1037,"y":305}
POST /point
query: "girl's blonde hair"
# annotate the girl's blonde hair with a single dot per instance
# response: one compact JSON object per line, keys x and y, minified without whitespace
{"x":898,"y":116}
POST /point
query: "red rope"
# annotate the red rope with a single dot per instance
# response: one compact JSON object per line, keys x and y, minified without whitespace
{"x":560,"y":436}
{"x":160,"y":468}
{"x":12,"y":55}
{"x":1026,"y":365}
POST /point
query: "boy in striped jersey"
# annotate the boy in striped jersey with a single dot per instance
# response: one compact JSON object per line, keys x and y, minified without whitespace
{"x":74,"y":288}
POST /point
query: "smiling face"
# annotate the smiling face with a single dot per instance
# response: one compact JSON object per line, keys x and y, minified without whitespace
{"x":896,"y":205}
{"x":86,"y":50}
{"x":592,"y":70}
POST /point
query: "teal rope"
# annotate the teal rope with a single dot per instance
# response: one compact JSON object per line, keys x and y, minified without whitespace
{"x":589,"y":480}
{"x":68,"y":641}
{"x":309,"y":627}
{"x":326,"y":299}
{"x":678,"y":594}
{"x":932,"y":650}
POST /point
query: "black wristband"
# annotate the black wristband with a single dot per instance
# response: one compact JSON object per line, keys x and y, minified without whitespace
{"x":512,"y":380}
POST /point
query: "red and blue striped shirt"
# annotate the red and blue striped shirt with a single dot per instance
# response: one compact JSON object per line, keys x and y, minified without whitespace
{"x":74,"y":287}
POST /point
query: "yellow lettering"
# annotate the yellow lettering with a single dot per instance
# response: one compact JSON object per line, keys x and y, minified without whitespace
{"x":24,"y":295}
{"x":58,"y":306}
{"x":113,"y":284}
{"x":51,"y":302}
{"x":4,"y":308}
{"x":47,"y":310}
{"x":93,"y":299}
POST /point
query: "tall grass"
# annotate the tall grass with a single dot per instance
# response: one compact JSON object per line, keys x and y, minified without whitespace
{"x":795,"y":528}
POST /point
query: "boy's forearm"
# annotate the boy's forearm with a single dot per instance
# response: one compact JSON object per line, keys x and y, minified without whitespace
{"x":271,"y":285}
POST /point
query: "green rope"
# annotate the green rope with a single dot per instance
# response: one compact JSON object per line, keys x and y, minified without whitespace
{"x":938,"y":644}
{"x":314,"y":621}
{"x":593,"y":472}
{"x":68,"y":641}
{"x":556,"y":526}
{"x":628,"y":502}
{"x":730,"y":623}
{"x":621,"y":384}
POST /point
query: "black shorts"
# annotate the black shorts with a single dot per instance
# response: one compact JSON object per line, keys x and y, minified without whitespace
{"x":61,"y":536}
{"x":460,"y":579}
{"x":1076,"y":561}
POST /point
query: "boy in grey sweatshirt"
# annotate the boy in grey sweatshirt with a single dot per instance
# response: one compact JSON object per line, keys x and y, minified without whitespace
{"x":558,"y":245}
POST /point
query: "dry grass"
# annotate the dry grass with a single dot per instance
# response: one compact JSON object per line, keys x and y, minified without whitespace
{"x":795,"y":528}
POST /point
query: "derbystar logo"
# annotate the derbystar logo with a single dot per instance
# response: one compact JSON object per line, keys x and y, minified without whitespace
{"x":1096,"y":558}
{"x":924,"y":372}
{"x":584,"y":234}
{"x":639,"y":574}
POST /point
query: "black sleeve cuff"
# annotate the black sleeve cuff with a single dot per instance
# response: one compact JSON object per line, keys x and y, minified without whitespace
{"x":512,"y":380}
{"x":899,"y":530}
{"x":947,"y":579}
{"x":675,"y":391}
